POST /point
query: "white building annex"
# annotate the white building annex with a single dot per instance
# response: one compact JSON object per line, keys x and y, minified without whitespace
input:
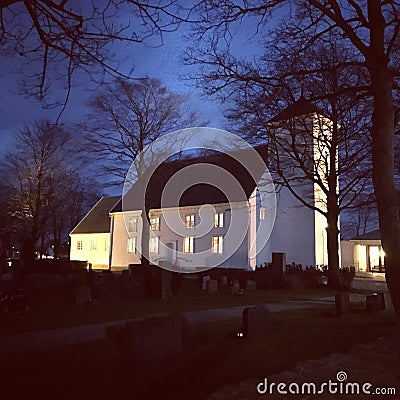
{"x":298,"y":231}
{"x":364,"y":253}
{"x":90,"y":239}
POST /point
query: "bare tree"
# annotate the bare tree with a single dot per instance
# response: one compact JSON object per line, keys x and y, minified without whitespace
{"x":73,"y":194}
{"x":57,"y":37}
{"x":311,"y":148}
{"x":126,"y":117}
{"x":361,"y":219}
{"x":7,"y":227}
{"x":32,"y":168}
{"x":371,"y":30}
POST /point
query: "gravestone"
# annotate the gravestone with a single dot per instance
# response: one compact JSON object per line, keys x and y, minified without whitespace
{"x":388,"y":301}
{"x":224,"y":281}
{"x":294,"y":281}
{"x":373,"y":303}
{"x":235,"y":289}
{"x":342,"y":302}
{"x":212,"y":286}
{"x":382,"y":302}
{"x":255,"y":321}
{"x":13,"y":300}
{"x":83,"y":295}
{"x":149,"y":339}
{"x":251,"y":286}
{"x":278,"y":268}
{"x":204,"y":282}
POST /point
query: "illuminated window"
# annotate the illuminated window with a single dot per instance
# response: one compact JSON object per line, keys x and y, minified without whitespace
{"x":217,"y":244}
{"x":132,"y":225}
{"x":262,"y":212}
{"x":189,"y":221}
{"x":155,"y":223}
{"x":219,"y":220}
{"x":188,"y":244}
{"x":154,"y":245}
{"x":132,"y":245}
{"x":79,"y":245}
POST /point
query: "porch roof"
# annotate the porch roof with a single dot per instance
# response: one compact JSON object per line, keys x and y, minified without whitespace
{"x":373,"y":235}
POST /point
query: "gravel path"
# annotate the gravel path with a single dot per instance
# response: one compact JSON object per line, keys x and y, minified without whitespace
{"x":87,"y":333}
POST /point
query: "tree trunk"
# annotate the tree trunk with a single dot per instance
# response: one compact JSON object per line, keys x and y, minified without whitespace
{"x":333,"y":252}
{"x":332,"y":207}
{"x":27,"y":257}
{"x":387,"y":197}
{"x":145,"y":239}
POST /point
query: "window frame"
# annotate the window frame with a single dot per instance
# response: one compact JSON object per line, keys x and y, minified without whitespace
{"x":190,"y":220}
{"x":188,"y":245}
{"x":153,"y":245}
{"x":132,"y":226}
{"x":219,"y":220}
{"x":155,"y":223}
{"x":217,"y":244}
{"x":132,"y":245}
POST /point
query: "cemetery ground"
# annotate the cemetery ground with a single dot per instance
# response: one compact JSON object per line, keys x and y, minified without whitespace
{"x":53,"y":306}
{"x":213,"y":355}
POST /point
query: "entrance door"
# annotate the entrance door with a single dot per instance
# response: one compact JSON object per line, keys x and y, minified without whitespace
{"x":375,"y":258}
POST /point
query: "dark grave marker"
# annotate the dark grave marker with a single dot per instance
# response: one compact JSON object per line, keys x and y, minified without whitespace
{"x":255,"y":321}
{"x":149,"y":339}
{"x":251,"y":286}
{"x":83,"y":295}
{"x":373,"y":303}
{"x":342,"y":303}
{"x":212,"y":286}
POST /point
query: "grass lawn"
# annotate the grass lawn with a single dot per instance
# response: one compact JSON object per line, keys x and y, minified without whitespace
{"x":54,"y":308}
{"x":213,"y":357}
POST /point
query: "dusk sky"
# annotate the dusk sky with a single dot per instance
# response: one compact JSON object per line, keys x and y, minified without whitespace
{"x":159,"y":62}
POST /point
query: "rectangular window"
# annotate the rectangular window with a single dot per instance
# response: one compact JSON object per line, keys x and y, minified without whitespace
{"x":217,"y":244}
{"x":189,"y":220}
{"x":155,"y":223}
{"x":262,"y":212}
{"x":132,"y":224}
{"x":188,"y":244}
{"x":79,"y":245}
{"x":132,"y":245}
{"x":154,"y":245}
{"x":93,"y":245}
{"x":219,"y":220}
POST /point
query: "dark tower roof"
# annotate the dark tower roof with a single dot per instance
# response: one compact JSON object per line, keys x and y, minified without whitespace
{"x":299,"y":107}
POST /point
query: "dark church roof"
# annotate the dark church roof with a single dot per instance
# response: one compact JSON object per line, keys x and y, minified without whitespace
{"x":198,"y":193}
{"x":373,"y":235}
{"x":298,"y":108}
{"x":97,"y":220}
